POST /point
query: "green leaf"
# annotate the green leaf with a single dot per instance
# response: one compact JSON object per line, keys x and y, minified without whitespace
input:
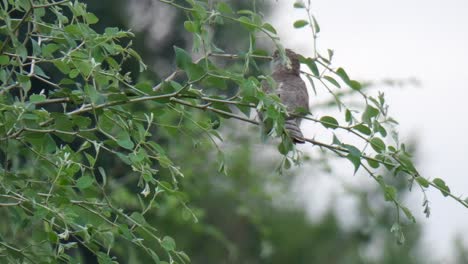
{"x":224,"y":8}
{"x":74,"y":73}
{"x":248,"y":88}
{"x":144,"y":87}
{"x":422,"y":181}
{"x":167,"y":186}
{"x":184,"y":62}
{"x":90,"y":159}
{"x":336,"y":141}
{"x":118,"y":97}
{"x":63,"y":67}
{"x":299,"y":4}
{"x":348,"y":116}
{"x":444,"y":189}
{"x":373,"y":163}
{"x":123,"y":139}
{"x":330,"y":54}
{"x":316,"y":25}
{"x":91,"y":18}
{"x":4,"y":60}
{"x":103,"y":258}
{"x":246,"y":12}
{"x":49,"y":49}
{"x":377,"y":144}
{"x":38,"y":71}
{"x":200,"y":11}
{"x":124,"y":158}
{"x":184,"y":256}
{"x":183,"y":59}
{"x":191,"y":26}
{"x":398,"y":233}
{"x":369,"y":113}
{"x":354,"y":155}
{"x":405,"y":160}
{"x":195,"y":71}
{"x":92,"y":92}
{"x":74,"y":29}
{"x":363,"y":129}
{"x":215,"y":82}
{"x":355,"y":85}
{"x":269,"y":27}
{"x":311,"y":83}
{"x":138,"y":218}
{"x":103,"y":175}
{"x":154,"y":256}
{"x":36,"y":98}
{"x":63,"y":123}
{"x":382,"y":130}
{"x":81,"y":121}
{"x":168,"y":243}
{"x":84,"y":67}
{"x":41,"y":141}
{"x":332,"y":81}
{"x":312,"y":66}
{"x":329,"y":122}
{"x":343,"y":75}
{"x":285,"y":146}
{"x":25,"y":82}
{"x":125,"y":232}
{"x":408,"y":214}
{"x":108,"y":239}
{"x":84,"y":182}
{"x":247,"y":23}
{"x":300,"y":23}
{"x":22,"y":51}
{"x":392,"y":149}
{"x":390,"y":193}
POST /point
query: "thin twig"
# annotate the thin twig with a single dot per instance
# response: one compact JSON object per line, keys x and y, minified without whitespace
{"x":206,"y":107}
{"x":8,"y":38}
{"x":51,"y":4}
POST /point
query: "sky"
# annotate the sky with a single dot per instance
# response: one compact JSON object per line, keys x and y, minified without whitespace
{"x":426,"y":40}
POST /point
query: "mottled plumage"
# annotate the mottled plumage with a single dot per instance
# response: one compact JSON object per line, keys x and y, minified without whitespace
{"x":291,"y":89}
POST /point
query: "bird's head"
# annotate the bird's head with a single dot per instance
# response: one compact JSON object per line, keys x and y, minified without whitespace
{"x":288,"y":64}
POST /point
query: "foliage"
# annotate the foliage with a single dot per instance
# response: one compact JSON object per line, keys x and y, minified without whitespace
{"x":76,"y":128}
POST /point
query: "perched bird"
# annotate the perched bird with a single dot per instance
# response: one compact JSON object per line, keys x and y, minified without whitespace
{"x":291,"y":89}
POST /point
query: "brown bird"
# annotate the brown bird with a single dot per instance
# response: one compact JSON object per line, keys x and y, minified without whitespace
{"x":292,"y":91}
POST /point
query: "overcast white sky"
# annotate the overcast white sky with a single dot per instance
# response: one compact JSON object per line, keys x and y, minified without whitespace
{"x":427,"y":40}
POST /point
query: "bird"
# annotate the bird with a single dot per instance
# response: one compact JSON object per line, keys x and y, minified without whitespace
{"x":291,"y":90}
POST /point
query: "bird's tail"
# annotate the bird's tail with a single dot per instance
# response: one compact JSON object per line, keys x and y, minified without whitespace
{"x":292,"y":126}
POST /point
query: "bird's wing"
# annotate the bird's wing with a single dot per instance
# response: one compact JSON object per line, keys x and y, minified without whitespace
{"x":293,"y":94}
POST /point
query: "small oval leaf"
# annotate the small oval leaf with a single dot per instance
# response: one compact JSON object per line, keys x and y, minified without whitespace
{"x":84,"y":182}
{"x":168,"y":243}
{"x":299,"y":4}
{"x":300,"y":23}
{"x":329,"y":122}
{"x":444,"y":189}
{"x":363,"y":129}
{"x":332,"y":81}
{"x":422,"y":181}
{"x":377,"y":144}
